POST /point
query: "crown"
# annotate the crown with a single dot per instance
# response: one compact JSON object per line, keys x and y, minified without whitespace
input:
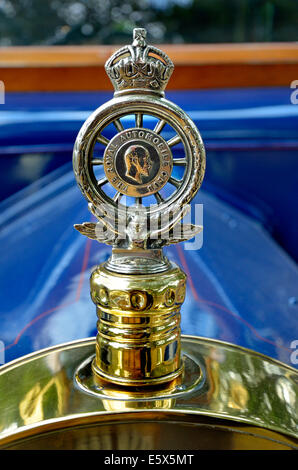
{"x":139,"y":67}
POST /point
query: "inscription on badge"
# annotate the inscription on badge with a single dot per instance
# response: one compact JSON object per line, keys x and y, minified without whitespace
{"x":138,"y":162}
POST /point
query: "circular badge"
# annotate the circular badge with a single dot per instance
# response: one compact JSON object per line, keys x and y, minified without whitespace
{"x":138,"y":162}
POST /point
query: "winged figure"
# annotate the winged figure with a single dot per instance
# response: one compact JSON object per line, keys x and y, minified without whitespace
{"x":138,"y":228}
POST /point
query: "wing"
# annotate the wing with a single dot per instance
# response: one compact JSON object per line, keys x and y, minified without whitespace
{"x":98,"y":232}
{"x":87,"y":229}
{"x":187,"y":232}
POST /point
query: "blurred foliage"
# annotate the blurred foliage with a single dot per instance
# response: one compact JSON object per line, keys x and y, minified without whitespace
{"x":49,"y":22}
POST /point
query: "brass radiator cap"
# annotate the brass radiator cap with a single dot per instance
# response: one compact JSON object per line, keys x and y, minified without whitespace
{"x":242,"y":400}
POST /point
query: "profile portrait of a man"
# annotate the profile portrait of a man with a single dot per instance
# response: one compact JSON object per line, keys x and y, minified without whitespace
{"x":138,"y":163}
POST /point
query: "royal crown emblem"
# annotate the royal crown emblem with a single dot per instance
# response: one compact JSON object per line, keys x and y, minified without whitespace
{"x":139,"y":66}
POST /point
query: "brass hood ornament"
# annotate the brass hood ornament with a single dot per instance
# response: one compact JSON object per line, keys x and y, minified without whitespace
{"x":138,"y":292}
{"x":138,"y":162}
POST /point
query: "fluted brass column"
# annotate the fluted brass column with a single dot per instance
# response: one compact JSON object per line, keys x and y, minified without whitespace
{"x":138,"y":340}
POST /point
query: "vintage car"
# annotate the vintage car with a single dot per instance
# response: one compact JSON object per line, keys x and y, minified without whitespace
{"x":239,"y":317}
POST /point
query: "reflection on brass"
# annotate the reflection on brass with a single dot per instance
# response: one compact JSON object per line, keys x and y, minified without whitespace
{"x":147,"y":433}
{"x":253,"y":405}
{"x":153,"y":396}
{"x":33,"y":406}
{"x":238,"y":395}
{"x":138,"y":341}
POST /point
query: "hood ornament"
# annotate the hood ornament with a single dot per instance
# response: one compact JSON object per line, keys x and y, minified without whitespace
{"x":150,"y":170}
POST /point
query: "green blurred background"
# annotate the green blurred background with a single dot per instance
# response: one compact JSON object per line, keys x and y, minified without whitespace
{"x":66,"y":22}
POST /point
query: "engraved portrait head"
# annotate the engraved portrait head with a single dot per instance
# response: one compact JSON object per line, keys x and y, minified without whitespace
{"x":137,"y":162}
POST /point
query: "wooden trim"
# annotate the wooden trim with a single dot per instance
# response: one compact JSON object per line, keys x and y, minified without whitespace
{"x":78,"y":68}
{"x":196,"y":54}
